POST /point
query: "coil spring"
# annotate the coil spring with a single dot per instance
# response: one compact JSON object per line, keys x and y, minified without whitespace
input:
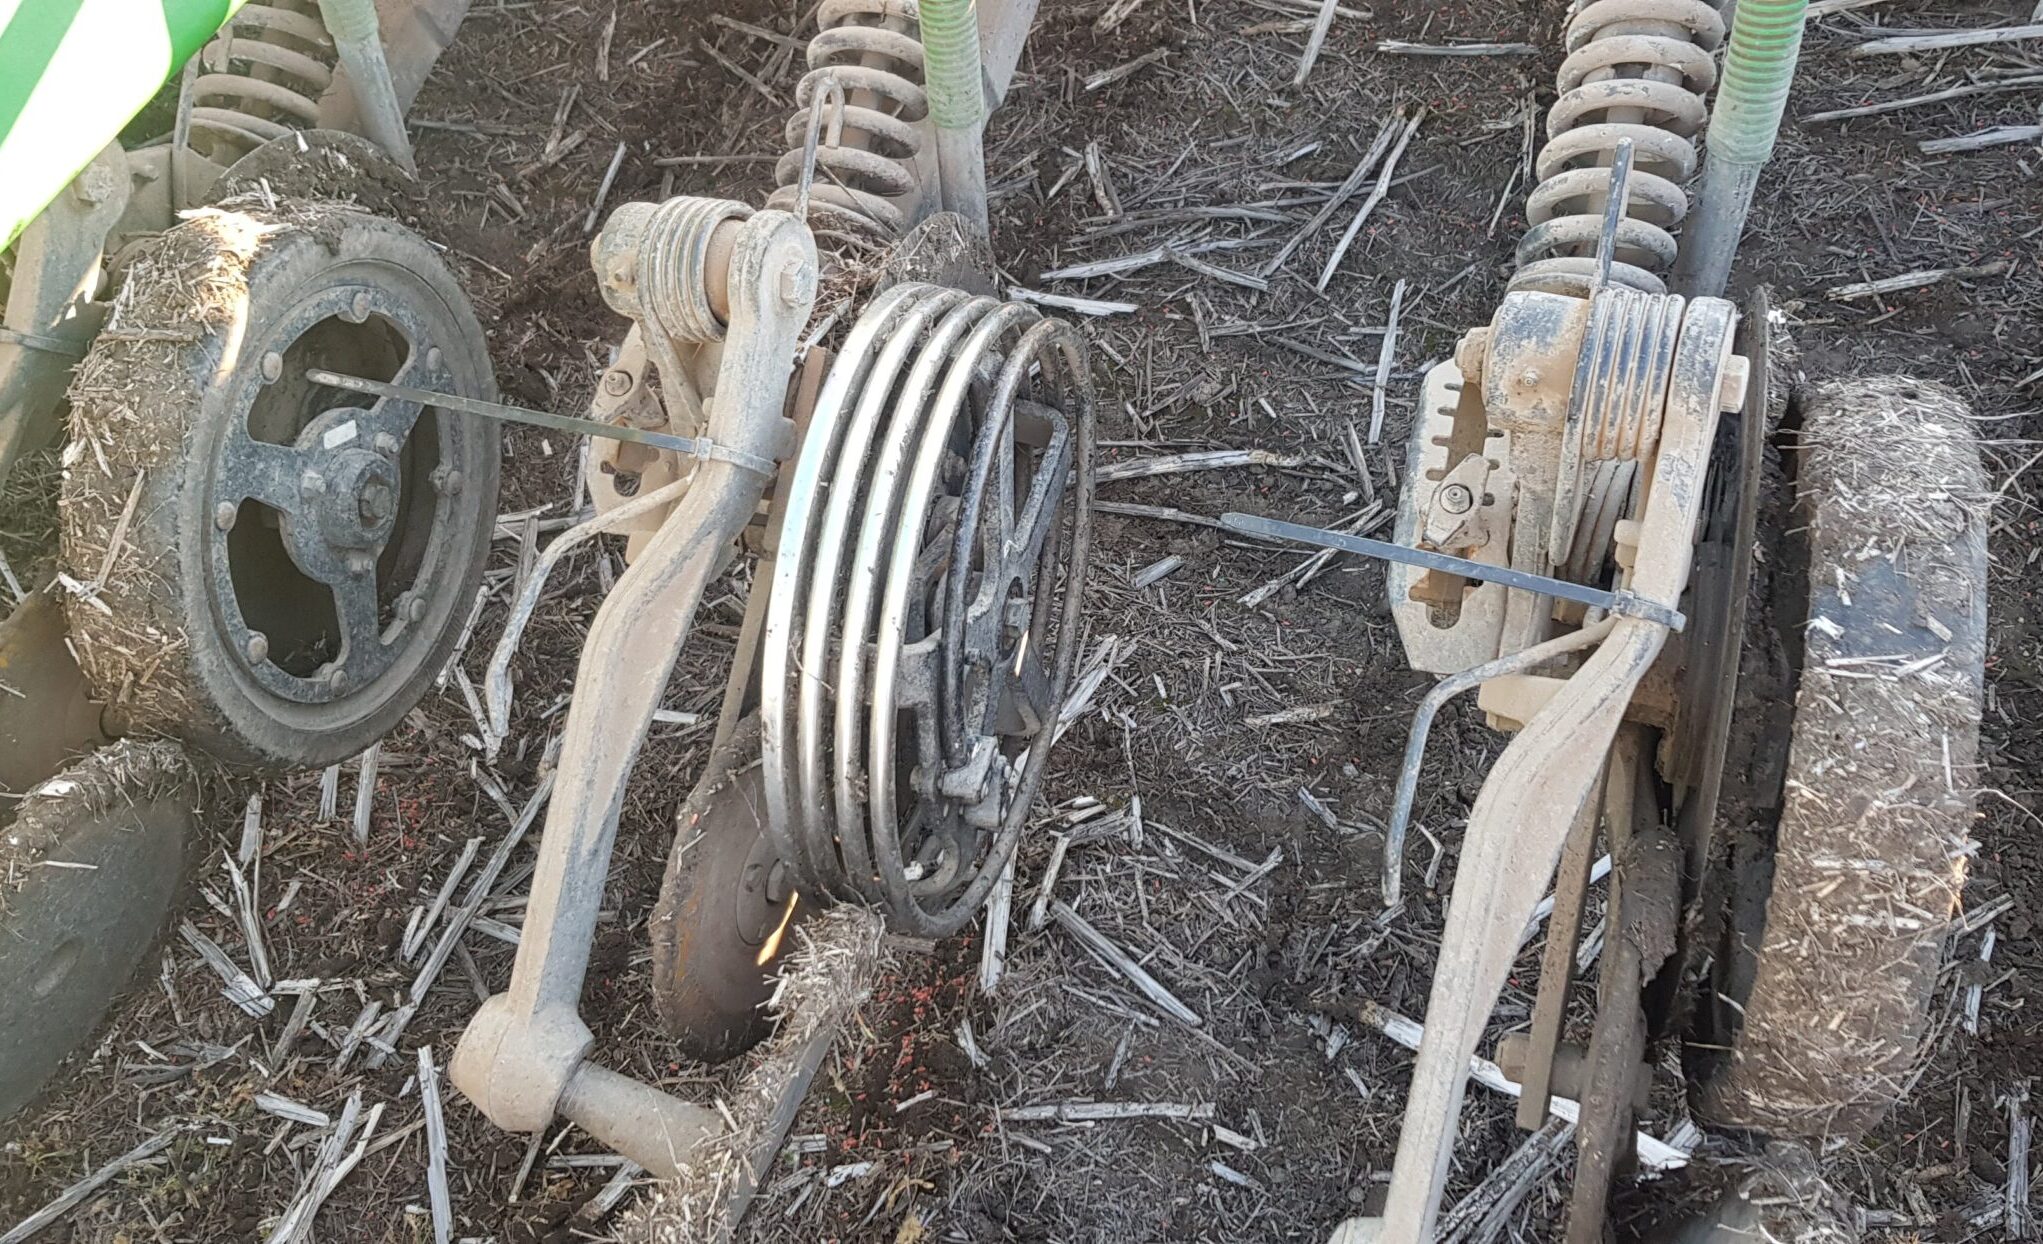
{"x":260,"y":78}
{"x":1637,"y":69}
{"x":865,"y":182}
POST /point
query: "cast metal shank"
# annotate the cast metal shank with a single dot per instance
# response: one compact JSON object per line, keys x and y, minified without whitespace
{"x":525,"y":1056}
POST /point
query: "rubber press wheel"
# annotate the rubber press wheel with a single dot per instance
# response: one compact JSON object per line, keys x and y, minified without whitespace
{"x":726,"y":911}
{"x":89,"y":868}
{"x":1840,"y":897}
{"x":271,"y":569}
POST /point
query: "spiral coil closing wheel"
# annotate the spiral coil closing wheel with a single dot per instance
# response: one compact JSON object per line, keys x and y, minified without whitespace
{"x":923,"y":618}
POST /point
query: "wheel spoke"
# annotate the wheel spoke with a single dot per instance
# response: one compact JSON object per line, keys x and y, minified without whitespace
{"x":354,"y":598}
{"x":1025,"y":695}
{"x":257,"y":470}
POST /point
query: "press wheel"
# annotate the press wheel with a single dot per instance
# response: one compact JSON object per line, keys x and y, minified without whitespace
{"x":726,"y":911}
{"x":1840,"y":903}
{"x":89,"y":868}
{"x":267,"y":569}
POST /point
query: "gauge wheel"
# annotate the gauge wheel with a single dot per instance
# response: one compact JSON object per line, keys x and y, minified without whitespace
{"x":270,"y":569}
{"x":726,"y":912}
{"x":1842,"y":892}
{"x":89,"y":869}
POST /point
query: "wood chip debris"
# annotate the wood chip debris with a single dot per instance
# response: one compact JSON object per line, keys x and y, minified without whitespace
{"x":1102,"y":1111}
{"x":1104,"y":949}
{"x":1913,"y":280}
{"x":71,"y":1197}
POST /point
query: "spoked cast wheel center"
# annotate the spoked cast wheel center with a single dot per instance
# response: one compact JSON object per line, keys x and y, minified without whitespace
{"x":332,"y":520}
{"x":922,"y":623}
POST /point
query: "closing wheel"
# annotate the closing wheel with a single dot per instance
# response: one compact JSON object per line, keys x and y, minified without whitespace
{"x":88,"y":871}
{"x":726,"y":910}
{"x":923,"y":621}
{"x":275,"y":571}
{"x":1838,"y":916}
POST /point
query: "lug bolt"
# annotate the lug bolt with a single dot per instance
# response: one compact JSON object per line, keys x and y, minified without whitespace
{"x":358,"y":310}
{"x":258,"y":648}
{"x":224,"y":515}
{"x":617,"y":382}
{"x":447,"y":481}
{"x":1529,"y":377}
{"x":1456,"y":499}
{"x":414,"y":607}
{"x":312,"y":481}
{"x":337,"y":681}
{"x":272,"y":366}
{"x":434,"y":357}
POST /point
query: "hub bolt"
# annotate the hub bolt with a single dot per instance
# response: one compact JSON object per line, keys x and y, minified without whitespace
{"x":1456,"y":499}
{"x":312,"y":481}
{"x":388,"y":444}
{"x":375,"y":504}
{"x":617,"y":382}
{"x":360,"y":563}
{"x":224,"y":515}
{"x":258,"y":648}
{"x":272,"y":365}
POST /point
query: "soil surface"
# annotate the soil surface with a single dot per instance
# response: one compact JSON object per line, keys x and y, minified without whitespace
{"x":1222,"y":794}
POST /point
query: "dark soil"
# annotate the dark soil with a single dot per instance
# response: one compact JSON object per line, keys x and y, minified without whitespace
{"x":1274,"y":967}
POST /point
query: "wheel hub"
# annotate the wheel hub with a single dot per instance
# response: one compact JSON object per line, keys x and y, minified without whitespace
{"x":332,"y":521}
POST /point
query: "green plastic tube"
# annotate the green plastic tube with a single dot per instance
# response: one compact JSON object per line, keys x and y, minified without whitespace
{"x":957,"y":104}
{"x":1752,"y":95}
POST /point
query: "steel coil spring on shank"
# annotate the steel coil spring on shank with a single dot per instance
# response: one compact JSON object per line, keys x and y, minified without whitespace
{"x":1637,"y":69}
{"x":866,"y":180}
{"x":260,"y":78}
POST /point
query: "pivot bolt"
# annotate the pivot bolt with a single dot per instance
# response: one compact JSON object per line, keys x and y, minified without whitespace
{"x":360,"y":563}
{"x":617,"y":382}
{"x":388,"y":444}
{"x":272,"y":366}
{"x":797,"y":281}
{"x":312,"y":481}
{"x":224,"y":515}
{"x":1456,"y":499}
{"x":358,"y":310}
{"x":258,"y":648}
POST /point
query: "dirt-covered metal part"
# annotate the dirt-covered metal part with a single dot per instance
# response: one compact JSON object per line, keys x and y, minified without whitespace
{"x":1638,"y":71}
{"x":525,"y":1056}
{"x":877,"y":172}
{"x":89,"y":868}
{"x":1826,"y":1005}
{"x":261,"y":566}
{"x":925,"y":601}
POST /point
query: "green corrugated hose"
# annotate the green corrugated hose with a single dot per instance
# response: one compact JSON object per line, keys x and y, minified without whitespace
{"x":957,"y":103}
{"x":1766,"y":40}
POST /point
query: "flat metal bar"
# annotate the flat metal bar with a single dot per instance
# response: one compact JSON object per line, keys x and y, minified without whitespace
{"x":1624,"y":604}
{"x":498,"y":410}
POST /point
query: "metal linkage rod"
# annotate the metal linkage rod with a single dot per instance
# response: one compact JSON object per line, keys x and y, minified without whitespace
{"x":1623,"y":604}
{"x":693,"y":446}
